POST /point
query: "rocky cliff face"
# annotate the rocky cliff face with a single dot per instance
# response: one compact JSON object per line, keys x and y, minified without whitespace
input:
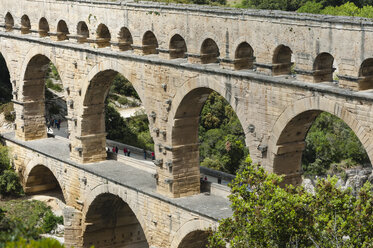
{"x":353,"y":178}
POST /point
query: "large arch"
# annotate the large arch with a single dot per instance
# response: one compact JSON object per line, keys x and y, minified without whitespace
{"x":289,"y":132}
{"x":92,"y":125}
{"x":186,"y":111}
{"x":124,"y":218}
{"x":323,"y":68}
{"x":192,"y":234}
{"x":30,"y":121}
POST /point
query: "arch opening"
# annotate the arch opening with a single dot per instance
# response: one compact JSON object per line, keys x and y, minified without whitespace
{"x":281,"y":61}
{"x":110,"y":222}
{"x":323,"y":68}
{"x":43,"y":27}
{"x":178,"y":47}
{"x":195,"y":239}
{"x":206,"y":132}
{"x":113,"y":107}
{"x":82,"y":31}
{"x":244,"y":57}
{"x":209,"y":52}
{"x":103,"y":36}
{"x":149,"y":43}
{"x":365,"y":80}
{"x":25,"y":25}
{"x":62,"y":31}
{"x":125,"y":39}
{"x":9,"y":22}
{"x":316,"y":143}
{"x":5,"y":88}
{"x":41,"y":180}
{"x":43,"y":110}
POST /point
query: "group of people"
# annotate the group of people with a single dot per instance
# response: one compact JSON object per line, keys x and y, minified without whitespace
{"x":126,"y":151}
{"x":53,"y":123}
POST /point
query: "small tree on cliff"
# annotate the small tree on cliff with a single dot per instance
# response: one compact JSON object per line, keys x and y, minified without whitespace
{"x":267,"y":215}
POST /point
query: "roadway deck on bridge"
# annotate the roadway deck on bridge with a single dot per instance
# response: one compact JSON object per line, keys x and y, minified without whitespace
{"x":211,"y":206}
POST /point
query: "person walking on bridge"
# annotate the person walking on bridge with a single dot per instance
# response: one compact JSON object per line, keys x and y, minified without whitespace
{"x":125,"y":151}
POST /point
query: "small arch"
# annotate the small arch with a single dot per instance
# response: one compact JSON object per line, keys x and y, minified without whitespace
{"x":149,"y":43}
{"x":244,"y":57}
{"x":281,"y":61}
{"x":43,"y":27}
{"x":62,"y":30}
{"x":41,"y":179}
{"x":178,"y":47}
{"x":82,"y":31}
{"x":110,"y":222}
{"x":125,"y":39}
{"x":9,"y":22}
{"x":323,"y":68}
{"x":103,"y":36}
{"x":365,"y":80}
{"x":25,"y":25}
{"x":195,"y":239}
{"x":209,"y":52}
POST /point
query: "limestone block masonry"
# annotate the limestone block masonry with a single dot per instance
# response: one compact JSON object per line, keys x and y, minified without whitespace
{"x":277,"y":70}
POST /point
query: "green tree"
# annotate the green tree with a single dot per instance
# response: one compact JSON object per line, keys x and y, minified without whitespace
{"x":267,"y":215}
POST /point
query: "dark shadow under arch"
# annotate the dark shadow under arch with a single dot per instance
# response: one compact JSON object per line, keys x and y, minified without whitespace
{"x":43,"y":27}
{"x":110,"y":222}
{"x":281,"y":61}
{"x":178,"y":47}
{"x":9,"y":22}
{"x":365,"y":80}
{"x":125,"y":39}
{"x":323,"y":68}
{"x":195,"y":239}
{"x":149,"y":43}
{"x":244,"y":57}
{"x":209,"y":52}
{"x":62,"y":30}
{"x":41,"y":180}
{"x":5,"y":84}
{"x":103,"y":36}
{"x":25,"y":25}
{"x":82,"y":32}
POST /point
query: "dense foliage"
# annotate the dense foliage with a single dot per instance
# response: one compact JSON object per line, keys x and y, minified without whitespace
{"x":332,"y":145}
{"x":266,"y":215}
{"x":23,"y":219}
{"x":43,"y":243}
{"x":221,"y":136}
{"x":347,"y":9}
{"x":9,"y":181}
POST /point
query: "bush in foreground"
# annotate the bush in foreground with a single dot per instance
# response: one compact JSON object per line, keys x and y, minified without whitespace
{"x":267,"y":215}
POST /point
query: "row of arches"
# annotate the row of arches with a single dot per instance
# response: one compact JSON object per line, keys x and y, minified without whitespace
{"x":108,"y":220}
{"x":209,"y":52}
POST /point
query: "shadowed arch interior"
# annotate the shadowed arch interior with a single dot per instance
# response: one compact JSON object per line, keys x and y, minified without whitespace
{"x":195,"y":239}
{"x":41,"y":179}
{"x":149,"y":43}
{"x":281,"y":61}
{"x":82,"y":32}
{"x":244,"y":57}
{"x":6,"y":85}
{"x":43,"y":27}
{"x":209,"y":52}
{"x":25,"y":25}
{"x":62,"y":30}
{"x":103,"y":36}
{"x":9,"y":22}
{"x":125,"y":39}
{"x":178,"y":47}
{"x":365,"y":80}
{"x":110,"y":222}
{"x":323,"y":68}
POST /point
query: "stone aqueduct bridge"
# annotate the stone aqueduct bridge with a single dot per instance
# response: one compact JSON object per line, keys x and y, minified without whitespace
{"x":174,"y":56}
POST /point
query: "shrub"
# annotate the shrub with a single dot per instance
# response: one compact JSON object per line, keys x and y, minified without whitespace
{"x":53,"y":86}
{"x":9,"y":184}
{"x":43,"y":243}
